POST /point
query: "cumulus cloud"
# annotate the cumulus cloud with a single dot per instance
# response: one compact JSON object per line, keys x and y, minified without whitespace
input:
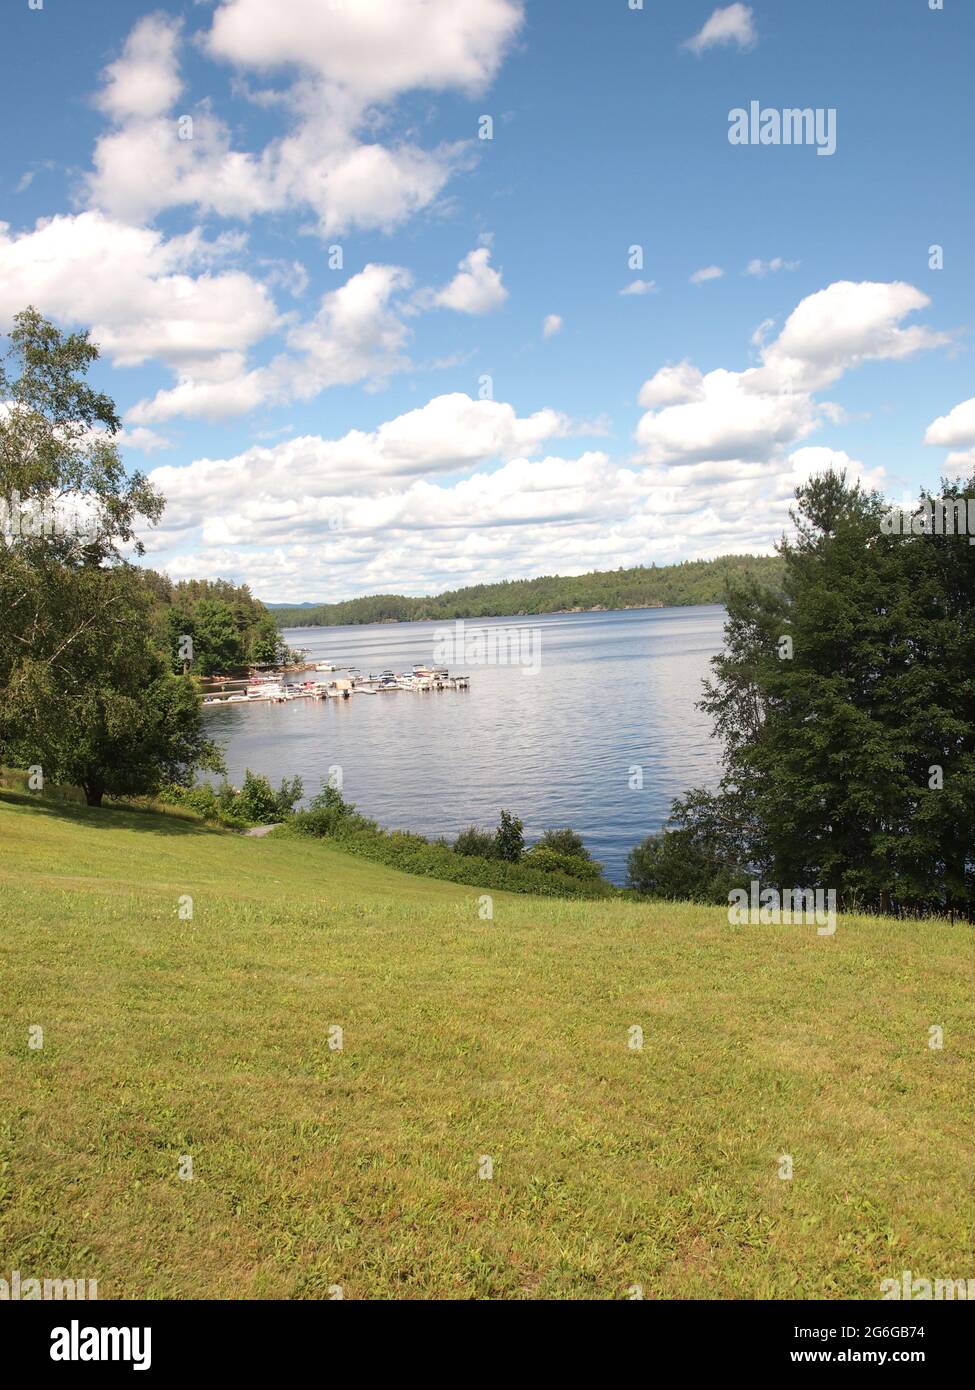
{"x":357,"y":335}
{"x":673,"y":386}
{"x":754,"y":414}
{"x":340,"y":61}
{"x":476,"y":288}
{"x":300,"y":482}
{"x":706,"y":273}
{"x":135,"y":290}
{"x":730,"y":24}
{"x":954,"y":430}
{"x":843,"y":326}
{"x":638,"y":287}
{"x":552,"y":325}
{"x":145,"y":80}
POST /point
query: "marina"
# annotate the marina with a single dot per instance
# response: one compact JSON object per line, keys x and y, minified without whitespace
{"x":275,"y":688}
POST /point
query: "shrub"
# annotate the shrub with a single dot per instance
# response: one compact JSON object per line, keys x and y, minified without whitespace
{"x":566,"y":841}
{"x":255,"y":804}
{"x":255,"y":801}
{"x":509,"y":839}
{"x":476,"y":843}
{"x":543,"y":856}
{"x":329,"y":814}
{"x":672,"y":866}
{"x":331,"y":817}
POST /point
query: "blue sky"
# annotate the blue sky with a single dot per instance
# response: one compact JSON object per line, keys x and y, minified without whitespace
{"x":322,"y":430}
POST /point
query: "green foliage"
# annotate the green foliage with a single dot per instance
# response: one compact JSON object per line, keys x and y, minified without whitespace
{"x":256,"y":803}
{"x":696,"y":856}
{"x":565,"y":841}
{"x":87,"y":694}
{"x":331,"y":817}
{"x":509,"y":838}
{"x":694,"y":581}
{"x":475,"y":842}
{"x":229,"y":628}
{"x":837,"y":700}
{"x":553,"y":861}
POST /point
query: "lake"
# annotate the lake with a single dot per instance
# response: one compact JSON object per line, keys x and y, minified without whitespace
{"x":554,"y":745}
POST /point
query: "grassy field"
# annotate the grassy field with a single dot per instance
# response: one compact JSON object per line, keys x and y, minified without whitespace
{"x":315,"y":1167}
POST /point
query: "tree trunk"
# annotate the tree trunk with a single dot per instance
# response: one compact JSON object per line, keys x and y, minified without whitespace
{"x":94,"y":792}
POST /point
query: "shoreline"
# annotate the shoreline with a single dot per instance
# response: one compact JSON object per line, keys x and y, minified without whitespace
{"x":495,"y":617}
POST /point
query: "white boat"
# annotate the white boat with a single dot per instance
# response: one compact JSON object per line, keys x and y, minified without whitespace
{"x":325,"y":666}
{"x":266,"y":690}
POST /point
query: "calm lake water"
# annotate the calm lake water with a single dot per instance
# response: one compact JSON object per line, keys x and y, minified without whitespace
{"x":556,"y":747}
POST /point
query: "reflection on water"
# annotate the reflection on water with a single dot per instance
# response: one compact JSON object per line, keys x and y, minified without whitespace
{"x":555,"y":746}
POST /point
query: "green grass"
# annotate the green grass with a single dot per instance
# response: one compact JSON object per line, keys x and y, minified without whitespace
{"x":462,"y":1037}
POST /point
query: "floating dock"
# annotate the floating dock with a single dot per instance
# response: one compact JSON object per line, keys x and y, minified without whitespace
{"x":273,"y":688}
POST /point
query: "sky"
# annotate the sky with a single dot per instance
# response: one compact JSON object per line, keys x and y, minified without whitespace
{"x":403,"y":295}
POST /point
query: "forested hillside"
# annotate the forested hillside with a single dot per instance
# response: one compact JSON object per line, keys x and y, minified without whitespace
{"x":669,"y":586}
{"x":228,"y":626}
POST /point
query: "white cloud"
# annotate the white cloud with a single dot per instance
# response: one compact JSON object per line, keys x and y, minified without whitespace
{"x":476,"y":288}
{"x":841,"y":327}
{"x":356,"y":336}
{"x":145,"y":81}
{"x":371,"y":48}
{"x":638,"y":287}
{"x":145,"y":441}
{"x":727,"y":25}
{"x":706,"y":273}
{"x":134,"y":290}
{"x":552,"y":325}
{"x":673,"y":386}
{"x":760,"y":268}
{"x":294,"y":487}
{"x":954,"y":430}
{"x":341,"y":60}
{"x":727,"y":420}
{"x":751,"y":416}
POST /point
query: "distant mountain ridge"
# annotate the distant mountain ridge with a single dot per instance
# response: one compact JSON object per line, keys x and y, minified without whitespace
{"x":645,"y":586}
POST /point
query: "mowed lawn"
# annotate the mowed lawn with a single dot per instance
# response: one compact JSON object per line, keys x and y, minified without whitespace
{"x":359,"y":1168}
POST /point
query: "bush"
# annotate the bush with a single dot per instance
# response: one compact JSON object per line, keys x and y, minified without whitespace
{"x":329,"y":814}
{"x":672,"y":866}
{"x":543,"y":856}
{"x":332,"y":817}
{"x":476,"y":843}
{"x":566,"y":841}
{"x":255,"y":801}
{"x":255,"y":804}
{"x":509,"y":839}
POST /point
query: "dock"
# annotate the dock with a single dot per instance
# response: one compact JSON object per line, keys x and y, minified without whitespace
{"x":275,"y":688}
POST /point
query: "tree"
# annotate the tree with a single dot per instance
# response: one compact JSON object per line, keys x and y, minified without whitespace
{"x":845,"y":703}
{"x":216,"y":638}
{"x":265,"y":642}
{"x":106,"y":715}
{"x":86,"y":693}
{"x":509,"y":838}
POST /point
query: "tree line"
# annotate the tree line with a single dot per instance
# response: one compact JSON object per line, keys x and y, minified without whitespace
{"x":644,"y":586}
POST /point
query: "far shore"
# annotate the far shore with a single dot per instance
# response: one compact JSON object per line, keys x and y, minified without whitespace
{"x":496,"y":617}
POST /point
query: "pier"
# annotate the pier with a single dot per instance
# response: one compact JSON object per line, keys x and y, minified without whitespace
{"x":274,"y":687}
